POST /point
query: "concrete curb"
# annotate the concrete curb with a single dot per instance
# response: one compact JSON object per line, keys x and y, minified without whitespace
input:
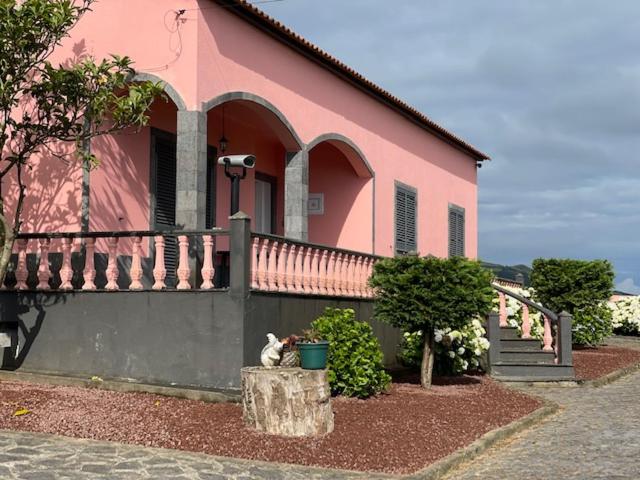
{"x":121,"y":386}
{"x":610,"y":377}
{"x":442,"y":467}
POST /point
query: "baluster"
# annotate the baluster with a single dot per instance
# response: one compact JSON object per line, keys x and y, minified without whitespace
{"x":272,"y":267}
{"x":136,"y":266}
{"x":66,"y":271}
{"x":44,"y":272}
{"x":503,"y":309}
{"x":322,"y":273}
{"x":350,"y":270}
{"x":21,"y":268}
{"x":331,"y":266}
{"x":89,"y":272}
{"x":112,"y":264}
{"x":208,"y":269}
{"x":359,"y":282}
{"x":306,"y":271}
{"x":298,"y":274}
{"x":364,"y":275}
{"x":184,"y":271}
{"x":315,"y":273}
{"x":337,"y":275}
{"x":262,"y":265}
{"x":547,"y":338}
{"x":254,"y":264}
{"x":281,"y":269}
{"x":290,"y":275}
{"x":526,"y":321}
{"x":159,"y":268}
{"x":370,"y":265}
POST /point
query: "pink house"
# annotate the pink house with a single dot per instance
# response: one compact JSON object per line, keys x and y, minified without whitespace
{"x":344,"y":172}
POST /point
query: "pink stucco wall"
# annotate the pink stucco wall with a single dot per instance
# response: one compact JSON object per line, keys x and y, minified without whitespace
{"x":215,"y":52}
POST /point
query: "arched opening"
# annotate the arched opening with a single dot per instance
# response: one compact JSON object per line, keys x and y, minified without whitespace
{"x":340,"y":194}
{"x":250,"y":125}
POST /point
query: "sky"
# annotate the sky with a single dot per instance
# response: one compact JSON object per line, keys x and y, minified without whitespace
{"x":550,"y":89}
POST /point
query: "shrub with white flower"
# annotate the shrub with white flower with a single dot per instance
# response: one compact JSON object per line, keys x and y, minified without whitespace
{"x":626,"y":316}
{"x":457,"y":351}
{"x":514,"y":311}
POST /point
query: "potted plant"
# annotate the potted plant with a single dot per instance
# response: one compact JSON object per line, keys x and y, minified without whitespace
{"x":313,"y":350}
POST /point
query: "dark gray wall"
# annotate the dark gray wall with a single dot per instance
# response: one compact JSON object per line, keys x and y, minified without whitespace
{"x":185,"y":338}
{"x":171,"y":337}
{"x":284,"y":314}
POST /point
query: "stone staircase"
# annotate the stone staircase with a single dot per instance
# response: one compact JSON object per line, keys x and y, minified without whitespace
{"x":523,"y":359}
{"x":516,"y":357}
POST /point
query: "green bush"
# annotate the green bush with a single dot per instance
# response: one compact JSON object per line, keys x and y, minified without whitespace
{"x":424,"y":294}
{"x":354,"y":360}
{"x":580,"y":288}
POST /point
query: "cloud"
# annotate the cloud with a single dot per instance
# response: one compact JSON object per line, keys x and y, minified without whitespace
{"x":628,"y":286}
{"x":549,"y":89}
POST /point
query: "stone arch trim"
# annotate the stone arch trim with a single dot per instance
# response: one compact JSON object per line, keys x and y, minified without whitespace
{"x":365,"y":169}
{"x":250,"y":97}
{"x":168,"y":88}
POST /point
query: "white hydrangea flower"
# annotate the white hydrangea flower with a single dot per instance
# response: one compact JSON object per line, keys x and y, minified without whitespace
{"x":452,"y":354}
{"x":438,"y":337}
{"x":461,"y":351}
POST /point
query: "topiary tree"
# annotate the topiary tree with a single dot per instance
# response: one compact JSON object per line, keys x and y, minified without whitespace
{"x":43,"y":105}
{"x":581,"y":288}
{"x":354,"y":359}
{"x":414,"y":293}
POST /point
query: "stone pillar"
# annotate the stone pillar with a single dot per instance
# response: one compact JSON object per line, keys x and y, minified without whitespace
{"x":296,"y":195}
{"x":240,"y":251}
{"x":191,"y":182}
{"x":564,"y":339}
{"x":493,"y":335}
{"x":191,"y":172}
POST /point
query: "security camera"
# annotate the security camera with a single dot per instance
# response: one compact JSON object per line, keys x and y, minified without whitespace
{"x":246,"y":161}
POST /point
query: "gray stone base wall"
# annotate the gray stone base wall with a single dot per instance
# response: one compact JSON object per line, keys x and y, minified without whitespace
{"x":178,"y":338}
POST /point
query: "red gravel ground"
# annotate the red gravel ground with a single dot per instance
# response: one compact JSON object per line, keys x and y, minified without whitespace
{"x":592,"y":363}
{"x":399,"y":432}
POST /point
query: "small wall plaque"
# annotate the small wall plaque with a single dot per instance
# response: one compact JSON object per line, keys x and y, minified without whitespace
{"x":316,"y":204}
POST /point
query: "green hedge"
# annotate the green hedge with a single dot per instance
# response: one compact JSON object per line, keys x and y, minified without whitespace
{"x":580,"y":288}
{"x":355,"y":360}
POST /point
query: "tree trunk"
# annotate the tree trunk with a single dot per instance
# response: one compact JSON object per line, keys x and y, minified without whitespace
{"x":426,"y":368}
{"x":287,"y":401}
{"x":6,"y":246}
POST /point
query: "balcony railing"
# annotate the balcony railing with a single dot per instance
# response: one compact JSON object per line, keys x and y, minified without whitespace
{"x":147,"y":260}
{"x":169,"y":255}
{"x":279,"y":264}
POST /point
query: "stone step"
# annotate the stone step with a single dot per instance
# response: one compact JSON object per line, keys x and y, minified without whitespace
{"x":521,"y":344}
{"x":509,"y":333}
{"x":528,"y":372}
{"x":527,"y":356}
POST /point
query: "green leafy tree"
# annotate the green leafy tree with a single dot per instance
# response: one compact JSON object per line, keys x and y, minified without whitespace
{"x":581,"y":288}
{"x":43,"y":105}
{"x":414,"y":294}
{"x":354,"y":360}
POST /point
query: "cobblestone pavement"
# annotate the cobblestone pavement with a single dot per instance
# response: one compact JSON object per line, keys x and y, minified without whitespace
{"x":28,"y":456}
{"x":595,"y":436}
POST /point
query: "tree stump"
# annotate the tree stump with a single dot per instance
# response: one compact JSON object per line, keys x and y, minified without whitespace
{"x":287,"y":401}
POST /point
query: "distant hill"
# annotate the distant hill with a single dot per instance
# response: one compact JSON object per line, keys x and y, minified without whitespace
{"x":509,"y":272}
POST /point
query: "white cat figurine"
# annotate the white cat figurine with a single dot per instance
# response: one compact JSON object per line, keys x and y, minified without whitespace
{"x":270,"y":356}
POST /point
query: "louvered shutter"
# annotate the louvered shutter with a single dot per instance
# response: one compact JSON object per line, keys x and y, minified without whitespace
{"x":405,"y":220}
{"x":164,"y":148}
{"x":456,"y":231}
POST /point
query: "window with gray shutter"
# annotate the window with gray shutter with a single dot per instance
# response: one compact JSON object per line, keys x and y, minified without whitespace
{"x":406,"y":206}
{"x":164,"y":195}
{"x":456,"y":231}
